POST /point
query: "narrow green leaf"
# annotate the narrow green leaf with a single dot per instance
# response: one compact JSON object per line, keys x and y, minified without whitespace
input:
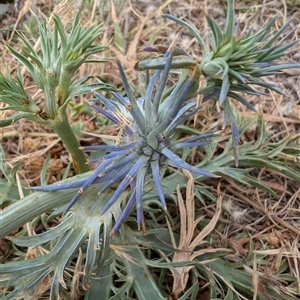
{"x":192,"y":29}
{"x":22,"y":59}
{"x":62,"y":35}
{"x":12,"y":119}
{"x":229,"y":24}
{"x":216,"y":31}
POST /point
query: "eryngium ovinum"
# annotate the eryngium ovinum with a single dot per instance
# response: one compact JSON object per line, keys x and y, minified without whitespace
{"x":147,"y":144}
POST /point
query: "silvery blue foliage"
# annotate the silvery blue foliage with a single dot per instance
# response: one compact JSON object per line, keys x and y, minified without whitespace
{"x":147,"y":143}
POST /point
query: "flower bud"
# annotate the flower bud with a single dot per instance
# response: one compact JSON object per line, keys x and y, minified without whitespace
{"x":213,"y":70}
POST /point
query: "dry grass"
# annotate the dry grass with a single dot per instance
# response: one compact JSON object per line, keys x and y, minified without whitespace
{"x":271,"y":223}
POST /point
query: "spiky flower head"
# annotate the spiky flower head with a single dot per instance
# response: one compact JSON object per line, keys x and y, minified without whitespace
{"x":147,"y":143}
{"x":235,"y":62}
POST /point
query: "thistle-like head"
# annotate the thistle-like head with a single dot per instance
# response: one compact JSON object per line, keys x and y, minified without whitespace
{"x":237,"y":62}
{"x":147,"y":143}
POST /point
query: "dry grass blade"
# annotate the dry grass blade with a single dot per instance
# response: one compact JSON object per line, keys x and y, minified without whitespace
{"x":295,"y":261}
{"x":188,"y":242}
{"x":119,"y":40}
{"x":132,"y":49}
{"x":127,"y":54}
{"x":22,"y":13}
{"x":37,"y":153}
{"x":42,"y":289}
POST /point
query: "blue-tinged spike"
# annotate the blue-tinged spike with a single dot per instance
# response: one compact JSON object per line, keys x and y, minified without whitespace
{"x":176,"y":161}
{"x":151,"y":108}
{"x":59,"y":186}
{"x":121,"y":99}
{"x":260,"y":64}
{"x":185,"y":109}
{"x":190,"y":144}
{"x":181,"y":114}
{"x":211,"y":95}
{"x":170,"y":115}
{"x":157,"y":180}
{"x":125,"y":213}
{"x":147,"y":78}
{"x":122,"y":163}
{"x":242,"y":100}
{"x":113,"y":109}
{"x":88,"y":181}
{"x":117,"y":176}
{"x":112,"y":147}
{"x":105,"y":113}
{"x":181,"y":119}
{"x":95,"y":160}
{"x":133,"y":108}
{"x":106,"y":102}
{"x":162,"y":84}
{"x":169,"y":103}
{"x":175,"y":108}
{"x":116,"y":155}
{"x":103,"y":177}
{"x":140,"y":180}
{"x":148,"y":96}
{"x":125,"y":182}
{"x":205,"y":135}
{"x":128,"y":130}
{"x":72,"y":185}
{"x":112,"y":114}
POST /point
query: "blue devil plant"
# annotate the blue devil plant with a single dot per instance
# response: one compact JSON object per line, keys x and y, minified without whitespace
{"x":147,"y":144}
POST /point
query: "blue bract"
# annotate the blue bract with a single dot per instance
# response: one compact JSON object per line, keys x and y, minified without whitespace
{"x":147,"y":142}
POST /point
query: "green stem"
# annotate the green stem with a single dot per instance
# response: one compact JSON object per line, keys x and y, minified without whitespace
{"x":69,"y":139}
{"x":63,"y":88}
